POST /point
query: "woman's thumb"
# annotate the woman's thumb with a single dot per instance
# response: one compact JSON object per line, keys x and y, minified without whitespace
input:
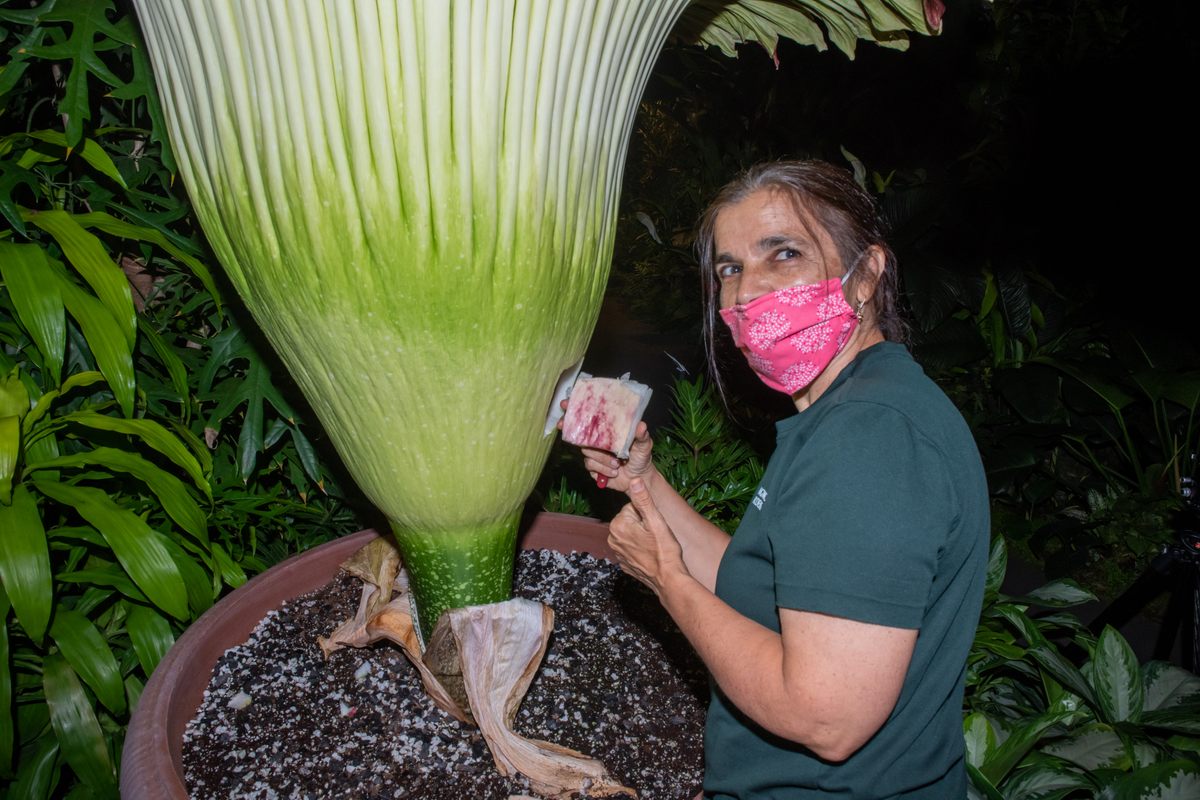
{"x":641,"y":499}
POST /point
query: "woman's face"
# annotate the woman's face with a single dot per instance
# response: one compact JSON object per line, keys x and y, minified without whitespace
{"x":765,"y":243}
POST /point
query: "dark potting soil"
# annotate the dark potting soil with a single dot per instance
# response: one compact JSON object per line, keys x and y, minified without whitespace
{"x":618,"y":683}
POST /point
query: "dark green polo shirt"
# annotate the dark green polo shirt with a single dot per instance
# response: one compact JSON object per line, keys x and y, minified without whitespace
{"x":874,"y":507}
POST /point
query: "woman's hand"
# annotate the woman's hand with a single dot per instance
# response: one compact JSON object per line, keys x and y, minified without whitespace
{"x":646,"y":547}
{"x":609,"y":471}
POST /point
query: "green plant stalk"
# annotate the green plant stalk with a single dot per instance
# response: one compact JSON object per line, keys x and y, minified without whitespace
{"x":417,"y":203}
{"x":444,"y":565}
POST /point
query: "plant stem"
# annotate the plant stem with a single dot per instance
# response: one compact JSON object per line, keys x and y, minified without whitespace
{"x":452,"y":568}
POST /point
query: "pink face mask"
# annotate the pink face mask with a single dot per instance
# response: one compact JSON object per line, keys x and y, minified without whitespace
{"x":789,"y":336}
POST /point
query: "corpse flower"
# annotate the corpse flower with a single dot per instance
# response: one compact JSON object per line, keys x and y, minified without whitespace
{"x":416,"y":201}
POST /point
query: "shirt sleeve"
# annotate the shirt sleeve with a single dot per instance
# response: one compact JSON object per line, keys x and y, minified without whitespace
{"x":868,"y":504}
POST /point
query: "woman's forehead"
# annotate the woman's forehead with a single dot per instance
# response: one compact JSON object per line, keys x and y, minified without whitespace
{"x":767,"y":212}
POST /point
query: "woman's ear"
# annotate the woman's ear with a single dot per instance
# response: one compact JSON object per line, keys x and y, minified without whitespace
{"x":869,"y":271}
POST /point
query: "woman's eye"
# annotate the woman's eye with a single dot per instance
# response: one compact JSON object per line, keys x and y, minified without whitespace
{"x":728,"y":270}
{"x":786,"y":254}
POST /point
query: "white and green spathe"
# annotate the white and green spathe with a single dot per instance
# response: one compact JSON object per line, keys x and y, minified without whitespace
{"x":416,"y":201}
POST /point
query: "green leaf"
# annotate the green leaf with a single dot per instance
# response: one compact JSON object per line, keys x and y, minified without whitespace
{"x":169,"y":490}
{"x":150,"y":433}
{"x":141,"y":86}
{"x":1046,"y":778}
{"x":25,"y":563}
{"x":40,"y":409}
{"x":7,"y":720}
{"x":1168,"y":780}
{"x":88,"y":257}
{"x":1167,"y":685}
{"x":90,"y":33}
{"x":143,"y":233}
{"x":1182,"y":718}
{"x":1021,"y":739}
{"x":113,"y":356}
{"x":37,"y":300}
{"x":1189,"y":743}
{"x":1047,"y":656}
{"x":307,"y":455}
{"x":133,"y":690}
{"x":89,"y":655}
{"x":75,"y":724}
{"x":198,"y":584}
{"x":997,"y":565}
{"x":1057,"y":594}
{"x":14,"y":397}
{"x":979,"y":737}
{"x":231,"y":572}
{"x":10,"y":454}
{"x":176,"y":371}
{"x":1117,"y":678}
{"x":138,"y":547}
{"x":37,"y":771}
{"x":724,"y":24}
{"x":1014,"y":299}
{"x":150,"y":634}
{"x":1093,"y":746}
{"x":999,"y":643}
{"x":110,"y":575}
{"x":255,"y":389}
{"x":982,"y":784}
{"x":12,"y":177}
{"x":1113,"y":396}
{"x":91,"y":152}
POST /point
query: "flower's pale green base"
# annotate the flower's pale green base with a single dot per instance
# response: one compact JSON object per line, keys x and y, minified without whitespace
{"x":461,"y":567}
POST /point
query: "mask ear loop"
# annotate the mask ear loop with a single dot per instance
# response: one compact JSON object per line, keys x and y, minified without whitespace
{"x":858,"y":312}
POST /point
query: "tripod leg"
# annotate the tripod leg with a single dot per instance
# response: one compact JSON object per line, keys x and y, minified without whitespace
{"x":1191,"y":631}
{"x":1149,"y":585}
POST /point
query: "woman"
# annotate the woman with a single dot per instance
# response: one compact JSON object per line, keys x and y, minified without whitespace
{"x":836,"y":622}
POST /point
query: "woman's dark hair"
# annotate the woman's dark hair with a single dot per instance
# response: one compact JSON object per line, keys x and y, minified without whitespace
{"x":832,"y":197}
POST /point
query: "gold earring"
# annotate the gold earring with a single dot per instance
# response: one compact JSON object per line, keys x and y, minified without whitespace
{"x":858,"y":311}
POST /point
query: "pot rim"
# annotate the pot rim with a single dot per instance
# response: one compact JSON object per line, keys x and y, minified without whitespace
{"x":152,"y":757}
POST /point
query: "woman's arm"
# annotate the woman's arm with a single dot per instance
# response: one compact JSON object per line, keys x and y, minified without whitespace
{"x":825,"y":682}
{"x":702,"y":543}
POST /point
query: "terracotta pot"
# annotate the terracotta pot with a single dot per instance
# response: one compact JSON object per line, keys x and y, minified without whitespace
{"x":152,"y":761}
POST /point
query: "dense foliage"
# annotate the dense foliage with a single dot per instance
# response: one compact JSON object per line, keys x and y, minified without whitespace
{"x":148,"y":458}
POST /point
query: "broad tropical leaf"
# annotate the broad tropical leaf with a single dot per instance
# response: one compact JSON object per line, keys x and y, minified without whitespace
{"x":85,"y":649}
{"x":1095,"y":746}
{"x":1057,"y":594}
{"x":75,"y":724}
{"x":150,"y":633}
{"x":169,"y":490}
{"x":151,"y":434}
{"x":1166,"y":685}
{"x":135,"y":544}
{"x":7,"y":720}
{"x":88,"y":256}
{"x":25,"y":563}
{"x":1117,"y":678}
{"x":91,"y":152}
{"x":88,"y":31}
{"x":1169,"y":780}
{"x":37,"y":300}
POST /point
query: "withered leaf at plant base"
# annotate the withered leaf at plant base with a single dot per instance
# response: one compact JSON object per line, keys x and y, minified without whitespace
{"x":500,"y":647}
{"x":477,"y":668}
{"x":377,"y":564}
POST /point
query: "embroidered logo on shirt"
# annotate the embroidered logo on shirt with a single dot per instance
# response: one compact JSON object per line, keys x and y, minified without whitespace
{"x":760,"y":497}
